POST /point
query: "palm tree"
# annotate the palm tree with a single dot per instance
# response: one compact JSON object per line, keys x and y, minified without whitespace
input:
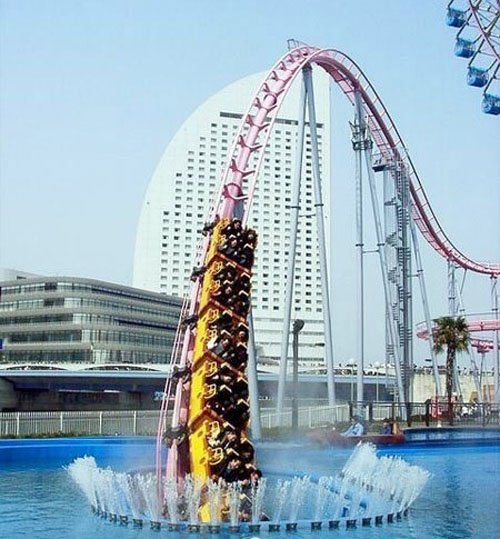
{"x":453,"y":334}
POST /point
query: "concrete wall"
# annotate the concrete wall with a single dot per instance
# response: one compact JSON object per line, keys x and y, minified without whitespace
{"x":8,"y":396}
{"x":423,"y":386}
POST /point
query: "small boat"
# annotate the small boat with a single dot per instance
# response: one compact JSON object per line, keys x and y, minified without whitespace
{"x":328,"y":436}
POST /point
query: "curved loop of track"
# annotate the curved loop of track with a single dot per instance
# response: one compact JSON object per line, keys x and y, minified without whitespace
{"x":248,"y":152}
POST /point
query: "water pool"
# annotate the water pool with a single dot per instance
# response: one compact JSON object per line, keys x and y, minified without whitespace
{"x":39,"y":500}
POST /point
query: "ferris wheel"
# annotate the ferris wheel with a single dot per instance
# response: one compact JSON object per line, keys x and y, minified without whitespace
{"x":478,"y":41}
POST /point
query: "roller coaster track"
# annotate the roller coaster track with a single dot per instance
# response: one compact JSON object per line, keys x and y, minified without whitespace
{"x":239,"y":177}
{"x":252,"y":141}
{"x":475,"y":324}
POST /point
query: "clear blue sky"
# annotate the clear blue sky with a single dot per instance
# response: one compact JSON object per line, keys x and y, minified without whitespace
{"x":92,"y":91}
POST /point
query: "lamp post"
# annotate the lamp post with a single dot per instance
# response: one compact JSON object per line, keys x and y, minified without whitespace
{"x":376,"y":366}
{"x":296,"y":328}
{"x":352,"y":363}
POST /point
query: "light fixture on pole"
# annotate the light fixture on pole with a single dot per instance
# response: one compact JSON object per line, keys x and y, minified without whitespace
{"x":352,"y":363}
{"x":296,"y":328}
{"x":377,"y":365}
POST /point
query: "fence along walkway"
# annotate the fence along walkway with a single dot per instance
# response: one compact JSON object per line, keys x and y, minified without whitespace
{"x":141,"y":422}
{"x":314,"y":416}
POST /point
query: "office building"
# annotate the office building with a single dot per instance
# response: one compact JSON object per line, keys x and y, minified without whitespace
{"x":65,"y":322}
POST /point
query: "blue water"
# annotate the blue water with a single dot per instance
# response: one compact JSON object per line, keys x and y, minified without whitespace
{"x":38,"y":499}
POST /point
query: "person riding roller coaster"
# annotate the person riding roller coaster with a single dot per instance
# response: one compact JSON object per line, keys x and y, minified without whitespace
{"x":239,"y":244}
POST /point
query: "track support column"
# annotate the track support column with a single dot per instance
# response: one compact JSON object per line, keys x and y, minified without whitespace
{"x":472,"y":353}
{"x":453,"y":311}
{"x":389,"y":300}
{"x":253,"y":387}
{"x":360,"y":141}
{"x":292,"y":254}
{"x":496,"y":351}
{"x":307,"y":73}
{"x":425,"y":304}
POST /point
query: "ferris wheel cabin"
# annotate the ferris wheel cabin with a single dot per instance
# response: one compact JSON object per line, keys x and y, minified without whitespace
{"x":455,"y":17}
{"x":491,"y":104}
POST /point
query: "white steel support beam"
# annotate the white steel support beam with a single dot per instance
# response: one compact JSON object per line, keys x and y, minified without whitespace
{"x":253,"y":388}
{"x":318,"y":202}
{"x":452,"y":289}
{"x":359,"y":141}
{"x":425,"y":304}
{"x":389,"y":300}
{"x":496,"y":351}
{"x":407,"y":318}
{"x":295,"y":207}
{"x":388,"y":197}
{"x":471,"y":351}
{"x":453,"y":311}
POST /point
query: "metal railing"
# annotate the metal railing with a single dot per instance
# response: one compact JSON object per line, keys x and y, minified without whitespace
{"x":138,"y":422}
{"x":429,"y":414}
{"x":309,"y":417}
{"x":145,"y":422}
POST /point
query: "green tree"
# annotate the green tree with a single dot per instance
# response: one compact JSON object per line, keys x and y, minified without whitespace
{"x":452,"y":334}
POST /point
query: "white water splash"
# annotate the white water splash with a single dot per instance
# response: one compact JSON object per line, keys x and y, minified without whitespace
{"x":367,"y":487}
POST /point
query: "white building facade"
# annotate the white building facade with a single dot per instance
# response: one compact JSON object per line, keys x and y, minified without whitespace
{"x":180,"y":193}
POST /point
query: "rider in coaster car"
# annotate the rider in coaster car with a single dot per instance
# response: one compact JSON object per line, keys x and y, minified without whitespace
{"x":227,"y":438}
{"x":223,"y":294}
{"x":219,"y":345}
{"x":237,"y":414}
{"x":220,"y":407}
{"x":241,"y":333}
{"x":245,"y":256}
{"x":223,"y":321}
{"x":221,"y":379}
{"x":241,"y":304}
{"x":209,"y":226}
{"x":230,"y":248}
{"x":180,"y":373}
{"x":226,"y":272}
{"x":175,"y":435}
{"x":251,"y":237}
{"x":237,"y":362}
{"x":234,"y":228}
{"x":233,"y":471}
{"x":247,"y":453}
{"x":253,"y":475}
{"x":244,"y":283}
